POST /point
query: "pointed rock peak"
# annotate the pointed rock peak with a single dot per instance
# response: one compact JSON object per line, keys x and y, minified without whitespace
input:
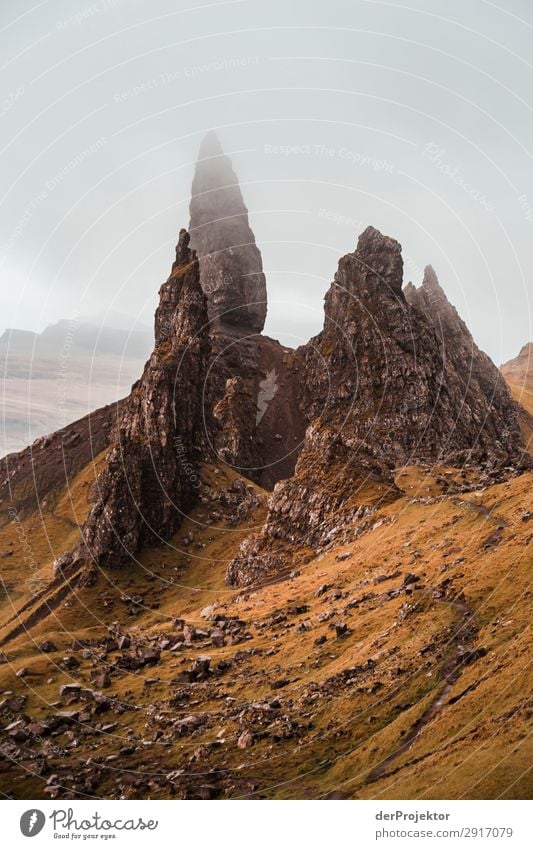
{"x":182,"y":286}
{"x":430,"y":280}
{"x":213,"y":169}
{"x":429,"y":291}
{"x":522,"y":364}
{"x":380,"y":257}
{"x":183,"y":252}
{"x":527,"y":351}
{"x":231,"y":268}
{"x":210,"y":146}
{"x":431,"y":299}
{"x":409,"y":291}
{"x":146,"y":487}
{"x":372,"y":274}
{"x":430,"y":286}
{"x":372,"y":238}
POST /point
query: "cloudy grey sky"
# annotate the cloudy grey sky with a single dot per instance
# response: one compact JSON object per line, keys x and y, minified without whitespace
{"x":415,"y":117}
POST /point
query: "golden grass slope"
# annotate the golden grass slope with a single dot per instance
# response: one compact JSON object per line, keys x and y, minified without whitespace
{"x":337,"y":666}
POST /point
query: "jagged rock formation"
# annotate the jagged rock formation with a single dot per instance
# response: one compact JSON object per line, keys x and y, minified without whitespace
{"x":235,"y":415}
{"x":393,"y":379}
{"x":258,"y":427}
{"x":150,"y":478}
{"x":384,"y":618}
{"x":231,"y":268}
{"x":383,"y":388}
{"x":473,"y":382}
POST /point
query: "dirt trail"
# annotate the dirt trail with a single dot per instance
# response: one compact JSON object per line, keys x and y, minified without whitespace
{"x":495,"y":537}
{"x":487,"y":512}
{"x":451,"y":670}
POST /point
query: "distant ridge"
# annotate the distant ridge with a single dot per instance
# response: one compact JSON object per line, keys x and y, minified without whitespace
{"x":57,"y":376}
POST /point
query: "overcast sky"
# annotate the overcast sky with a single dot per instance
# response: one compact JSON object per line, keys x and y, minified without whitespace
{"x":416,"y":118}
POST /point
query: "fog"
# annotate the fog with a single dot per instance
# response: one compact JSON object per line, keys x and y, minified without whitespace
{"x":336,"y":115}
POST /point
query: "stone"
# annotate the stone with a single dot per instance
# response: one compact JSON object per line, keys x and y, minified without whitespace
{"x":231,"y":268}
{"x":245,"y":740}
{"x":150,"y":655}
{"x":200,"y":667}
{"x":69,"y":693}
{"x":410,"y":579}
{"x":13,"y":704}
{"x":403,"y":361}
{"x":217,"y":638}
{"x":149,"y":479}
{"x":102,"y":680}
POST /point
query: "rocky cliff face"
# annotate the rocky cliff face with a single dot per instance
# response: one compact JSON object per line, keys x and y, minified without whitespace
{"x":394,"y":379}
{"x":258,"y":427}
{"x":387,"y":383}
{"x":486,"y":420}
{"x":150,"y":480}
{"x":231,"y":268}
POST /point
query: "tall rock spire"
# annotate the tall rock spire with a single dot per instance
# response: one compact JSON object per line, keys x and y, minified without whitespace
{"x":231,"y":268}
{"x":149,"y":480}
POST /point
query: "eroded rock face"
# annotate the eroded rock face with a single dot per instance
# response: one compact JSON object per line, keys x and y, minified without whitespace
{"x":258,"y":427}
{"x":393,"y":379}
{"x":486,"y":420}
{"x":235,"y":414}
{"x":231,"y":268}
{"x":385,"y":384}
{"x":150,"y":480}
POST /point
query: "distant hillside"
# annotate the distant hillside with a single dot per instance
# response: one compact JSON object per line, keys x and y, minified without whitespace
{"x":57,"y":376}
{"x":518,"y":374}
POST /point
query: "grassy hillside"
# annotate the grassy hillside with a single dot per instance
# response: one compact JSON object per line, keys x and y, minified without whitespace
{"x":393,"y":666}
{"x":518,"y":374}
